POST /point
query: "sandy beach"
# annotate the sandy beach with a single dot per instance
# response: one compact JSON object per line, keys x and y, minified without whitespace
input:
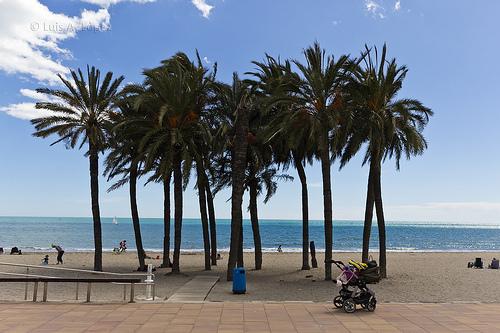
{"x":413,"y":277}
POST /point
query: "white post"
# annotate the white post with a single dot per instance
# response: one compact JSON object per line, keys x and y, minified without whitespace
{"x":149,"y":283}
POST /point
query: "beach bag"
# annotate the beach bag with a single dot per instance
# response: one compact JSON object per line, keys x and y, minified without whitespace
{"x":371,"y":263}
{"x":370,"y":275}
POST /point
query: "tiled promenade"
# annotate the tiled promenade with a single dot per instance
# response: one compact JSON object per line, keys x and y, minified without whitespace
{"x":246,"y":317}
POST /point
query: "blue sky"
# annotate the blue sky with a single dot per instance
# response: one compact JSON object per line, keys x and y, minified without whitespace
{"x":451,"y":48}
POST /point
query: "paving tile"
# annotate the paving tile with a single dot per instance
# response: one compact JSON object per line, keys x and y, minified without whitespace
{"x":246,"y":318}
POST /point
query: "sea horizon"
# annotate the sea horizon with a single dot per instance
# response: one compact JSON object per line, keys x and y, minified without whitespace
{"x":75,"y":234}
{"x":109,"y":219}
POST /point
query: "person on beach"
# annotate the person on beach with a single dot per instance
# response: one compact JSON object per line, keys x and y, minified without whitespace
{"x":60,"y":253}
{"x":123,"y":245}
{"x":279,"y":249}
{"x":15,"y":250}
{"x":45,"y":260}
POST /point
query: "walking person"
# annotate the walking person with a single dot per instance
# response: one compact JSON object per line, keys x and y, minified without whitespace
{"x":60,"y":253}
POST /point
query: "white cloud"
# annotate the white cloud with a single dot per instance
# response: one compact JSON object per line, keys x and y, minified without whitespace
{"x":27,"y":110}
{"x":206,"y":60}
{"x":397,"y":6}
{"x":460,"y":212}
{"x":375,"y":8}
{"x":30,"y":38}
{"x":35,"y":95}
{"x":315,"y":185}
{"x":24,"y":111}
{"x":203,"y":7}
{"x":107,"y":3}
{"x":30,"y":34}
{"x":30,"y":41}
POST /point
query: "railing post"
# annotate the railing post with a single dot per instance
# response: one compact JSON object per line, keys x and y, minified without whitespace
{"x":149,"y":282}
{"x":77,"y":288}
{"x":26,"y":285}
{"x":131,"y":293}
{"x":45,"y":291}
{"x":35,"y":291}
{"x":124,"y":292}
{"x":88,"y":291}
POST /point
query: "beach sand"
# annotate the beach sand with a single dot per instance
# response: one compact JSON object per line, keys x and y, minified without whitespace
{"x":413,"y":277}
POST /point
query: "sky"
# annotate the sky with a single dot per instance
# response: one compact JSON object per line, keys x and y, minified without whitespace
{"x":451,"y":48}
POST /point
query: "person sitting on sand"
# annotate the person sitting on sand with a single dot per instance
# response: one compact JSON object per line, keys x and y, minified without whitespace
{"x":45,"y":260}
{"x":219,"y":257}
{"x":495,"y":263}
{"x":123,"y":245}
{"x":60,"y":253}
{"x":15,"y":250}
{"x":1,"y":250}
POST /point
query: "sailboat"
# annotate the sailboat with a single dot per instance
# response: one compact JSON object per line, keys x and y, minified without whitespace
{"x":115,"y":221}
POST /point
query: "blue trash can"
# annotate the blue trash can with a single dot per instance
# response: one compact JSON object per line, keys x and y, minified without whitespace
{"x":239,"y":281}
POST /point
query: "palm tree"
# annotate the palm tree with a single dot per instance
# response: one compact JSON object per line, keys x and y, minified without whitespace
{"x":198,"y":150}
{"x":260,"y":178}
{"x":290,"y":153}
{"x":319,"y":94}
{"x":234,"y":105}
{"x":211,"y":218}
{"x":390,"y":127}
{"x":155,"y":151}
{"x":124,"y":160}
{"x":289,"y":134}
{"x":81,"y":116}
{"x":180,"y":90}
{"x":209,"y":153}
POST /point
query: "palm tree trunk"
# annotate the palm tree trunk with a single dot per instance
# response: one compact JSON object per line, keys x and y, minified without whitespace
{"x":370,"y":200}
{"x":327,"y":203}
{"x":212,"y":222}
{"x":381,"y":222}
{"x":96,"y":215}
{"x":200,"y":173}
{"x":178,"y":210}
{"x":240,"y":262}
{"x":254,"y":218}
{"x":239,"y":162}
{"x":135,"y":216}
{"x":166,"y":221}
{"x":305,"y":213}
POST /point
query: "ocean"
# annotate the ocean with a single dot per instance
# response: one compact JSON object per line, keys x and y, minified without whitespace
{"x":75,"y":234}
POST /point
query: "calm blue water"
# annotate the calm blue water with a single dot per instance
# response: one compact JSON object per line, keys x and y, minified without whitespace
{"x":75,"y":234}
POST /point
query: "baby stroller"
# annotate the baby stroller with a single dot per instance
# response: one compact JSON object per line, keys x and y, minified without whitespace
{"x":353,"y":280}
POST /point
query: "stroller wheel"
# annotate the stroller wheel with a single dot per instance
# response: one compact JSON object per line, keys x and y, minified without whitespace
{"x":349,"y":305}
{"x":372,"y":304}
{"x":338,"y":302}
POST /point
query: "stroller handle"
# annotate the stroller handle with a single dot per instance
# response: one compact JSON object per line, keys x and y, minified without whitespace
{"x":337,"y":263}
